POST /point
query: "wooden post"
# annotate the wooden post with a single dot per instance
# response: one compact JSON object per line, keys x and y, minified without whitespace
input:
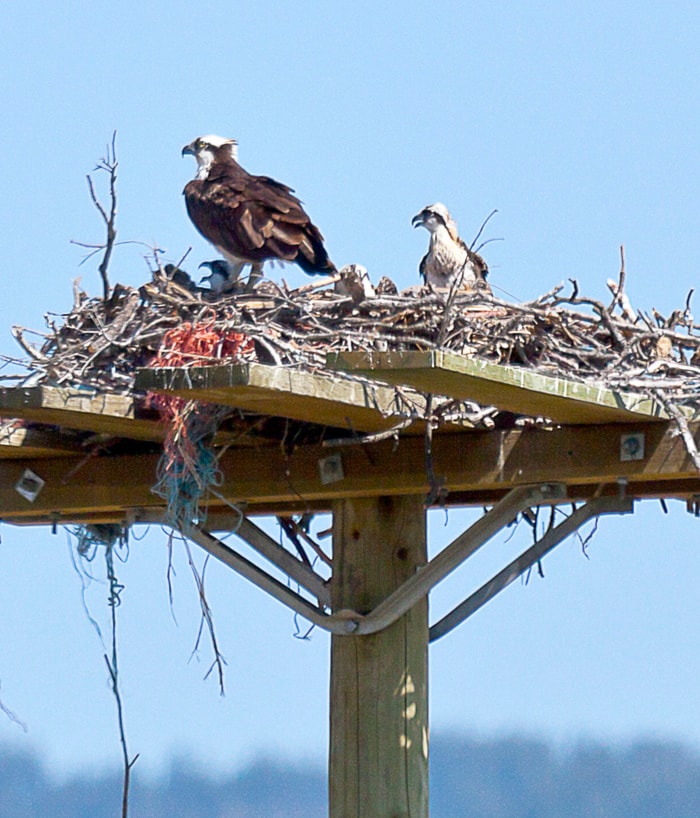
{"x":378,"y":696}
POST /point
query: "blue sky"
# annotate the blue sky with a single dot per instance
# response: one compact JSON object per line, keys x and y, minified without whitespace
{"x":577,"y":121}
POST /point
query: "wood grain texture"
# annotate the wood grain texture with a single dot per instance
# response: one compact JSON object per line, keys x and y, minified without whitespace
{"x":511,"y":388}
{"x":378,"y":766}
{"x":83,"y":409}
{"x":477,"y":467}
{"x":284,"y":392}
{"x":20,"y":442}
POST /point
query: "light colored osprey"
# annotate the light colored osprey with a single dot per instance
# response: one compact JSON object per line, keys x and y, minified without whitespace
{"x":353,"y":281}
{"x":249,"y":219}
{"x":448,"y":259}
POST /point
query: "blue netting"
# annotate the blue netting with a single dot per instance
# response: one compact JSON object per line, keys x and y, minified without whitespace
{"x":188,"y":466}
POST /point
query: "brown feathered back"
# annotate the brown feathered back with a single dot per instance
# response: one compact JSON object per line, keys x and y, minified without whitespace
{"x":253,"y":218}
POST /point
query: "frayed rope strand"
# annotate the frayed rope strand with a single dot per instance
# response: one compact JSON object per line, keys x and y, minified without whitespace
{"x":89,"y":539}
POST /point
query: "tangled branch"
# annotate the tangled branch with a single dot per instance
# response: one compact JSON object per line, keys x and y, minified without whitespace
{"x":109,"y":165}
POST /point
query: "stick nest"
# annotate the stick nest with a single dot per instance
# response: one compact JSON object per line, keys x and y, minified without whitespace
{"x":101,"y":344}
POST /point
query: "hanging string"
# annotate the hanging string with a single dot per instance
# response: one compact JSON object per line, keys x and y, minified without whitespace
{"x":114,"y":539}
{"x":188,"y":467}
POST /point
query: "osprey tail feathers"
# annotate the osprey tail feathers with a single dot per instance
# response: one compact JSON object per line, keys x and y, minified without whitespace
{"x":313,"y":258}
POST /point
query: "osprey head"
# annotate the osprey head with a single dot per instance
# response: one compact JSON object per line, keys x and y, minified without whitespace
{"x":218,"y":276}
{"x":435,"y":216}
{"x":206,"y":149}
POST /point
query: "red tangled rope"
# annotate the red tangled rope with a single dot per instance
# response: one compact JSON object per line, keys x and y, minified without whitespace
{"x":202,"y":344}
{"x":188,"y":467}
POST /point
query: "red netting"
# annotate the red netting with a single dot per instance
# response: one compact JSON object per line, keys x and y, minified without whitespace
{"x":188,"y":465}
{"x":201,"y":344}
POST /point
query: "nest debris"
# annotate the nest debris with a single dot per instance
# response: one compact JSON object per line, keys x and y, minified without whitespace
{"x":101,"y":344}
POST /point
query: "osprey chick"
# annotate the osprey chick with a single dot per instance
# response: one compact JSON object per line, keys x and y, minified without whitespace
{"x":218,"y":278}
{"x":354,"y":282}
{"x":448,"y":257}
{"x":249,"y":219}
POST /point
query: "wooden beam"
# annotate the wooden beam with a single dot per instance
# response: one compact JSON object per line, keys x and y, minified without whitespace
{"x":476,"y":466}
{"x":84,"y":409}
{"x":21,"y":442}
{"x":378,"y":762}
{"x":280,"y":391}
{"x":512,"y":388}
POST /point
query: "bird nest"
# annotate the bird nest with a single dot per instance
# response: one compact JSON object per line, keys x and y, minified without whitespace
{"x":101,"y":344}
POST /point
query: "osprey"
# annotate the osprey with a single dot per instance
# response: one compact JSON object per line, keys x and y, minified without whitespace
{"x":218,"y":278}
{"x":353,"y":281}
{"x":448,"y":257}
{"x":249,"y":219}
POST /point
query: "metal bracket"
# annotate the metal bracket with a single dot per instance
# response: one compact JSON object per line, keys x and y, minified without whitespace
{"x":593,"y":508}
{"x":346,"y":622}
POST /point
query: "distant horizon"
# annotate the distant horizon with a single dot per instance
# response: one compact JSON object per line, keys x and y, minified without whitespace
{"x":198,"y":766}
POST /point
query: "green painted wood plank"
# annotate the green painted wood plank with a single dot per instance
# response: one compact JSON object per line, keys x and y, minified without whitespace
{"x":278,"y":391}
{"x":84,"y":409}
{"x":511,"y":388}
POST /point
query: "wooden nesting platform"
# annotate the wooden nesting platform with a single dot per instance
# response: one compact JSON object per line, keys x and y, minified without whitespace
{"x":19,"y":442}
{"x":313,"y":397}
{"x":611,"y":443}
{"x":476,"y":467}
{"x":511,"y":388}
{"x":84,"y":409}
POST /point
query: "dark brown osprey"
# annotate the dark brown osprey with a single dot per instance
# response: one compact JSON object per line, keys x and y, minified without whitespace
{"x":448,"y":259}
{"x":249,"y":219}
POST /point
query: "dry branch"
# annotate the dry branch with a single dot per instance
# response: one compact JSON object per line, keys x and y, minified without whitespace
{"x":109,"y":164}
{"x":100,"y":344}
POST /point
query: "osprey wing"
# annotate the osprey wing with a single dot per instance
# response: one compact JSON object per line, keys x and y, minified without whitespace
{"x":255,"y":218}
{"x":477,"y":263}
{"x":422,"y":267}
{"x":215,"y":211}
{"x":279,"y":217}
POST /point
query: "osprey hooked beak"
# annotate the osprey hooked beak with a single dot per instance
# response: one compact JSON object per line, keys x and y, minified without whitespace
{"x":218,"y":277}
{"x":211,"y":143}
{"x":216,"y":268}
{"x":419,"y":219}
{"x":434,"y":215}
{"x":208,"y":149}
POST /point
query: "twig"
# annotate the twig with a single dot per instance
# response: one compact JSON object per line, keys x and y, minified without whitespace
{"x":437,"y":492}
{"x":291,"y":526}
{"x":13,"y":717}
{"x":109,"y":164}
{"x":207,"y":619}
{"x":374,"y":437}
{"x":621,"y":298}
{"x":488,"y":241}
{"x":618,"y":291}
{"x":95,"y":248}
{"x":18,"y":335}
{"x":115,"y":589}
{"x":481,"y":229}
{"x":184,"y":256}
{"x":308,"y":288}
{"x":683,"y":428}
